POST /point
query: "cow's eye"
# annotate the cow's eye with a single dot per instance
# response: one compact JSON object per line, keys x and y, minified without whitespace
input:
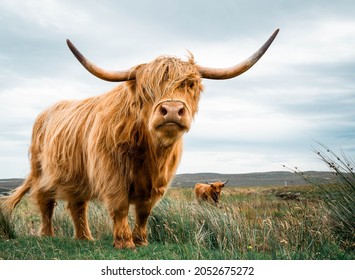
{"x":183,"y":84}
{"x":187,"y":84}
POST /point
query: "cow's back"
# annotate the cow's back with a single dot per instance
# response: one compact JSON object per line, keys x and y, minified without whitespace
{"x":201,"y":191}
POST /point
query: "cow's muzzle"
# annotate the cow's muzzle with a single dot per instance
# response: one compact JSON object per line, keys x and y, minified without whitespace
{"x":172,"y":113}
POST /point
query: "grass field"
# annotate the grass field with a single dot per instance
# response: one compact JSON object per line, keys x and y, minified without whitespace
{"x":251,"y":223}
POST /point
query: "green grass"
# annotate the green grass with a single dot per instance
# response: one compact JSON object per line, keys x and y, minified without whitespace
{"x":251,"y":223}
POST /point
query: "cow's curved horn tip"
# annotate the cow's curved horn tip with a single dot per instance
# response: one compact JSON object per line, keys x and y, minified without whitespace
{"x":273,"y":36}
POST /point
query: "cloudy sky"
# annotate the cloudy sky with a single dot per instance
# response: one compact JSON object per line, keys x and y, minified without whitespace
{"x":302,"y":90}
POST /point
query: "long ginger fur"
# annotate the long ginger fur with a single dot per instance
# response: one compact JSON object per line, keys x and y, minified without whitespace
{"x":107,"y":147}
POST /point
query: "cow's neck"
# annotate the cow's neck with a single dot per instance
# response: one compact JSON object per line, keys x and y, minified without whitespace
{"x":154,"y":167}
{"x":166,"y":162}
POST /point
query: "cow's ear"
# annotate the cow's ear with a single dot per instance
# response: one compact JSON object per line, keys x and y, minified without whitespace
{"x":212,"y":186}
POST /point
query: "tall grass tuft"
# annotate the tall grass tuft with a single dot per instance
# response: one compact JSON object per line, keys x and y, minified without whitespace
{"x":338,"y":194}
{"x":259,"y":228}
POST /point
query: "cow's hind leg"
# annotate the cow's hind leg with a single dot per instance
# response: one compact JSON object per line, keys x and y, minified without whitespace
{"x":46,"y":203}
{"x":78,"y":211}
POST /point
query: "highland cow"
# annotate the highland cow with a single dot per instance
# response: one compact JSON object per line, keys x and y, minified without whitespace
{"x":210,"y":192}
{"x":122,"y":147}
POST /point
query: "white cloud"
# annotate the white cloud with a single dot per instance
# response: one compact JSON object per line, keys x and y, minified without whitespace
{"x":47,"y":13}
{"x":245,"y":121}
{"x":325,"y":40}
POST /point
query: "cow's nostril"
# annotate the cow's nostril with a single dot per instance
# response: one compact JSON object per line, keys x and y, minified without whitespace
{"x":163,"y":111}
{"x":181,"y":112}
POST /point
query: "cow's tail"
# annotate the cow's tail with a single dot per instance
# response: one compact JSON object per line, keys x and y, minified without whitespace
{"x":9,"y":203}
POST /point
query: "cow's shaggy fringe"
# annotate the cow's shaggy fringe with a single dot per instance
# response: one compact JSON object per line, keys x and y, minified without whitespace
{"x":164,"y":70}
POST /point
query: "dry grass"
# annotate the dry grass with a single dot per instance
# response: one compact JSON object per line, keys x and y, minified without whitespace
{"x":251,"y":223}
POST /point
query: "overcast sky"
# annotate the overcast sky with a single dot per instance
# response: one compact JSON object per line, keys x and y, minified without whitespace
{"x":300,"y":92}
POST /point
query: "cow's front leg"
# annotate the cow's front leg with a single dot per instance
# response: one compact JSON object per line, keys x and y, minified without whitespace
{"x":142,"y":209}
{"x":121,"y":231}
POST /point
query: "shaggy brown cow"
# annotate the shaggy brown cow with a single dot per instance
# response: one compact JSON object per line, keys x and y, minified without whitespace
{"x":122,"y":147}
{"x":210,"y":192}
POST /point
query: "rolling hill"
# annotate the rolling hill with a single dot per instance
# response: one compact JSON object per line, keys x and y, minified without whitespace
{"x":274,"y":178}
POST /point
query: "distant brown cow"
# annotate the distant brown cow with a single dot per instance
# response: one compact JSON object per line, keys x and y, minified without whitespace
{"x":122,"y":147}
{"x":210,"y":192}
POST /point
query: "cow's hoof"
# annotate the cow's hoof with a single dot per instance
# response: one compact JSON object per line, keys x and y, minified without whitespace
{"x":124,"y":245}
{"x":84,"y":237}
{"x":141,"y":243}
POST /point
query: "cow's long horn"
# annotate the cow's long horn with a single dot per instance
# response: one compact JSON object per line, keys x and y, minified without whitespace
{"x":231,"y":72}
{"x":111,"y":76}
{"x":225,"y":182}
